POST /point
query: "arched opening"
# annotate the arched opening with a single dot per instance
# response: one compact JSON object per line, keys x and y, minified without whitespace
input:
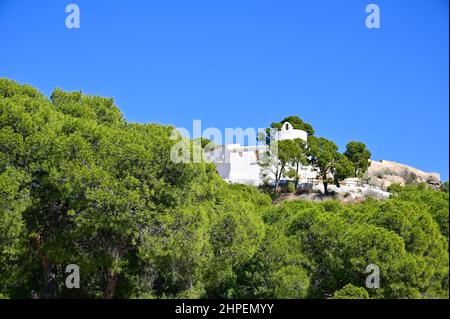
{"x":287,"y":126}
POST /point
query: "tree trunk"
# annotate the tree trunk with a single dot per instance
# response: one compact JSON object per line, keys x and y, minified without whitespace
{"x":110,"y":284}
{"x":296,"y":178}
{"x":278,"y":174}
{"x":112,"y":277}
{"x":49,"y":271}
{"x":51,"y":286}
{"x":325,"y":187}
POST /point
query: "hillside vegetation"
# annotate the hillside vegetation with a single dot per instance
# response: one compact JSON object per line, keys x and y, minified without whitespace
{"x":81,"y":185}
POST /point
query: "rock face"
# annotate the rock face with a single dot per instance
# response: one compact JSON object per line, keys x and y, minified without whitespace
{"x":384,"y":173}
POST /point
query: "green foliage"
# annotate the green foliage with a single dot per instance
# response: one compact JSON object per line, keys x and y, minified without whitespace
{"x":359,"y":155}
{"x":274,"y":166}
{"x":445,"y":187}
{"x":351,"y":292}
{"x":342,"y":169}
{"x":434,"y":203}
{"x":79,"y":184}
{"x":401,"y":236}
{"x":291,"y":188}
{"x":323,"y":156}
{"x":297,"y":158}
{"x":205,"y":142}
{"x":13,"y":201}
{"x":277,"y":270}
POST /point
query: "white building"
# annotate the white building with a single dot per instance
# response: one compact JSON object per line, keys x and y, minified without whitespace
{"x":239,"y":164}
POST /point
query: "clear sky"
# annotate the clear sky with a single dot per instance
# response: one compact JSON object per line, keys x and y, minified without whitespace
{"x":242,"y":63}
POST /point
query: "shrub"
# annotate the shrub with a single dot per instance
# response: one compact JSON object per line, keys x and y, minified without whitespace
{"x":291,"y":187}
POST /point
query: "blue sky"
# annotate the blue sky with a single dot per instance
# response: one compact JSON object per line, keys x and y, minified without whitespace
{"x":249,"y":63}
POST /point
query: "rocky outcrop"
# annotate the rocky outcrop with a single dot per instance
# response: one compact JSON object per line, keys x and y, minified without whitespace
{"x":385,"y":173}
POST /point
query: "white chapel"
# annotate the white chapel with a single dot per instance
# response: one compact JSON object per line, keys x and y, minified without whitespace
{"x":239,"y":164}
